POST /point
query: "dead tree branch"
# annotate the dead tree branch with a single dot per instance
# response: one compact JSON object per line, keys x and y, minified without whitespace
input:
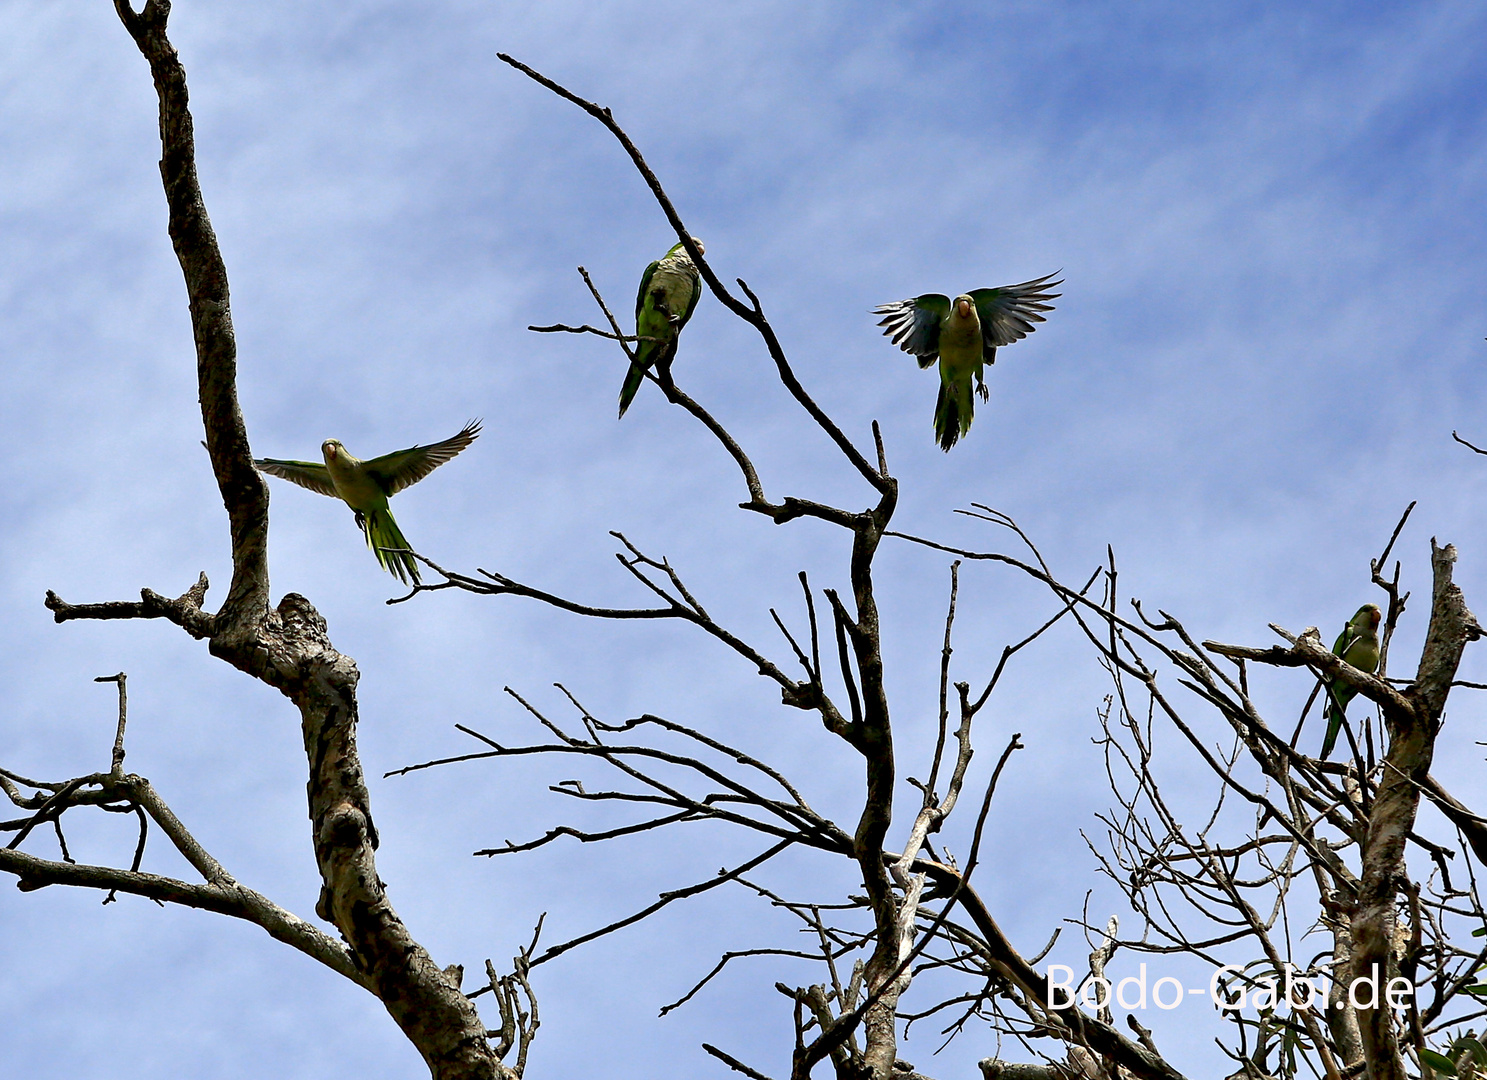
{"x":286,"y":647}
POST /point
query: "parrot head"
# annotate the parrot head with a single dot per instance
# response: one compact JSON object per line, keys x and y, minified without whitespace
{"x":331,"y":447}
{"x":964,"y":306}
{"x":1371,"y":614}
{"x":681,"y":249}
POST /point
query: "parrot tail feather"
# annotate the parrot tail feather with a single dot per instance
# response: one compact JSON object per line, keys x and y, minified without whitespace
{"x":648,"y":354}
{"x":382,"y":533}
{"x":947,"y":419}
{"x":1333,"y":714}
{"x":1334,"y":725}
{"x":633,"y":379}
{"x":953,"y":413}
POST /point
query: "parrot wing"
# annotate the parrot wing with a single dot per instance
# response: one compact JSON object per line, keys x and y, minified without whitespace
{"x":1358,"y":645}
{"x":395,"y":471}
{"x":307,"y":474}
{"x":692,"y":303}
{"x":1360,"y":638}
{"x":1008,"y":314}
{"x":645,"y":286}
{"x":914,"y":324}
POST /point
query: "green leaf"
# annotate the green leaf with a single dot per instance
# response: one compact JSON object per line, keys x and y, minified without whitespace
{"x":1480,"y":989}
{"x":1438,"y":1062}
{"x":1480,"y":931}
{"x":1467,"y":1043}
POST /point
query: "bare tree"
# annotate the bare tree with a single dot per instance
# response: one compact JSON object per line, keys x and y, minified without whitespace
{"x":1294,"y":846}
{"x":1289,"y":843}
{"x":912,"y":892}
{"x":285,"y":647}
{"x":1227,"y":890}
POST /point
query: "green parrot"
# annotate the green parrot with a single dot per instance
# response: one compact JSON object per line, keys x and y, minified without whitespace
{"x":964,"y":334}
{"x":1358,"y":645}
{"x":366,"y":485}
{"x":669,"y":291}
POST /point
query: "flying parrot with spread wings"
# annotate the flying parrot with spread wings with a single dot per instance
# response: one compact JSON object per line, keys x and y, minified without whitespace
{"x":964,"y":334}
{"x":365,"y":486}
{"x":669,"y":291}
{"x":1358,"y":645}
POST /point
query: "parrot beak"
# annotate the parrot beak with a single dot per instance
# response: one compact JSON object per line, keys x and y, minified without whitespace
{"x":963,"y":308}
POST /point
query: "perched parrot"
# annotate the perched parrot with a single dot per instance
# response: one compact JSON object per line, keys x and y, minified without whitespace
{"x":669,"y":291}
{"x":964,"y":335}
{"x":1358,"y":645}
{"x":366,"y":485}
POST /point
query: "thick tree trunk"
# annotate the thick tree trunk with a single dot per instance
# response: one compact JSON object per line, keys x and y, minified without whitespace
{"x":1406,"y":767}
{"x":288,"y":647}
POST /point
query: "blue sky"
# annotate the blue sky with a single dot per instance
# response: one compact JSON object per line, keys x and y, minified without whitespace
{"x":1269,"y":222}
